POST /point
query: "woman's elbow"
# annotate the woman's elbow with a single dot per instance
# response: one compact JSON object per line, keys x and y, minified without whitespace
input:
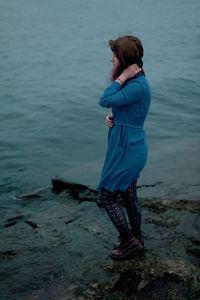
{"x":104,"y":103}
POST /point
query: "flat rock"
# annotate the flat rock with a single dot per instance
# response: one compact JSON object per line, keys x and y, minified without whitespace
{"x":61,"y":250}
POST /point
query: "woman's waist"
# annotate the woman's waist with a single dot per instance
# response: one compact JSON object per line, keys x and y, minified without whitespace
{"x":127,"y":124}
{"x":127,"y":133}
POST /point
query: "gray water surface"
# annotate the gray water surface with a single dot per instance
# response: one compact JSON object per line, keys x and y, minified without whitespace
{"x":55,"y":64}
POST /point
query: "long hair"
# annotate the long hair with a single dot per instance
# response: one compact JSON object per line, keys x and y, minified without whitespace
{"x":129,"y":50}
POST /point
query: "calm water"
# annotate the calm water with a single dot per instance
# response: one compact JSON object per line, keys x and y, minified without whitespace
{"x":55,"y":63}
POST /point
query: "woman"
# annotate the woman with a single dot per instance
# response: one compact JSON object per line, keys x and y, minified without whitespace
{"x":129,"y":96}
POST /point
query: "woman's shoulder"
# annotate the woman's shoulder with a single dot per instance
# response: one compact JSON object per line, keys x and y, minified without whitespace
{"x":138,"y":80}
{"x":140,"y":85}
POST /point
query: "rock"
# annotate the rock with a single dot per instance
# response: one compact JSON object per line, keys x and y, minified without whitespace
{"x":14,"y":220}
{"x":71,"y":220}
{"x":194,"y":251}
{"x":64,"y":251}
{"x":32,"y":224}
{"x":8,"y":254}
{"x":60,"y":185}
{"x":162,"y":290}
{"x":78,"y":191}
{"x":157,"y":205}
{"x":36,"y":193}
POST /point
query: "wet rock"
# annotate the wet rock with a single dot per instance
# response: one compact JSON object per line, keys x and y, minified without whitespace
{"x":194,"y":251}
{"x":190,"y":227}
{"x":8,"y":254}
{"x":32,"y":224}
{"x":128,"y":283}
{"x":162,"y":290}
{"x":66,"y":256}
{"x":78,"y":191}
{"x":36,"y":193}
{"x":150,"y":185}
{"x":70,"y":221}
{"x":14,"y":220}
{"x":157,"y":205}
{"x":162,"y":222}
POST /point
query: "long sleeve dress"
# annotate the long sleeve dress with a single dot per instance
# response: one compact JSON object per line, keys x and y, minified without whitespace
{"x":127,"y":150}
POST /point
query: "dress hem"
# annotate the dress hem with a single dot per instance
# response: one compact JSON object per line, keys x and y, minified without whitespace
{"x":119,"y":189}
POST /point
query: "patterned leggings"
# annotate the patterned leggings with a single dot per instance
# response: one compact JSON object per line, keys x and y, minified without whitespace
{"x":116,"y":213}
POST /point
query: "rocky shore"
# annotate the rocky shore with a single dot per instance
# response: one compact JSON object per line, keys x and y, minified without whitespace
{"x":56,"y":246}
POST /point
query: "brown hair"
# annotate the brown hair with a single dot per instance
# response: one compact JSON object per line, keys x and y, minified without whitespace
{"x":129,"y":50}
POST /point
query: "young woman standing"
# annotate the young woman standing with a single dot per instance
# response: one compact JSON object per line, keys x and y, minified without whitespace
{"x":129,"y":96}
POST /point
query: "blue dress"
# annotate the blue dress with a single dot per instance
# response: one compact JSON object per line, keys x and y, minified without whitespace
{"x":127,"y":147}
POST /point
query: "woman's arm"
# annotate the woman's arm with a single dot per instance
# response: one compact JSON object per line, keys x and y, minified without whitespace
{"x":129,"y":72}
{"x":114,"y":96}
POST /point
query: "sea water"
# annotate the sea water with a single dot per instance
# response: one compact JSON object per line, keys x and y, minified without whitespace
{"x":55,"y":65}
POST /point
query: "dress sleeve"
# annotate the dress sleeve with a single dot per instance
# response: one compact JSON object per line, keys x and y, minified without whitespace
{"x":114,"y":96}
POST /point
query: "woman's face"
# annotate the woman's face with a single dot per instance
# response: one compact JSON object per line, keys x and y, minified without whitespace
{"x":115,"y":61}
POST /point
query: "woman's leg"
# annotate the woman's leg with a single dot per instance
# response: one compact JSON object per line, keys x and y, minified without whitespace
{"x":115,"y":211}
{"x":133,"y":208}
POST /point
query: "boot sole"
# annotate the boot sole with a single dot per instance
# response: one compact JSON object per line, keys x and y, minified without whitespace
{"x":115,"y":247}
{"x":128,"y":254}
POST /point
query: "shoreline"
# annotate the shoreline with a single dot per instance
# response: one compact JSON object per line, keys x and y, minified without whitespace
{"x":62,"y":249}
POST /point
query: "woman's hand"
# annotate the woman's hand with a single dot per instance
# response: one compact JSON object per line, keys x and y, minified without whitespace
{"x":129,"y":72}
{"x":109,"y":120}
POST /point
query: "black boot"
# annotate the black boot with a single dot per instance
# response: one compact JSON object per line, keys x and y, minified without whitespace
{"x":126,"y":248}
{"x":138,"y":237}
